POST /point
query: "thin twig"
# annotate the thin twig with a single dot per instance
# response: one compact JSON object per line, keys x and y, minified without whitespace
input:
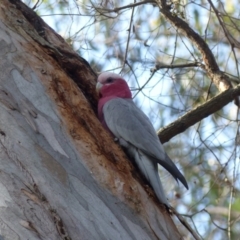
{"x":103,"y":11}
{"x":224,"y":229}
{"x":141,"y":88}
{"x":208,"y":91}
{"x":33,"y":8}
{"x":128,"y":39}
{"x":185,"y":224}
{"x":233,"y":180}
{"x":172,"y":66}
{"x":126,"y":6}
{"x":229,"y":37}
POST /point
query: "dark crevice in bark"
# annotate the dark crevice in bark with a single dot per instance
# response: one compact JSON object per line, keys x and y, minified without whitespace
{"x":73,"y":65}
{"x":31,"y":16}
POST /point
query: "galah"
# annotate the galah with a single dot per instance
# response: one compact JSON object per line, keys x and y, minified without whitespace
{"x":134,"y":131}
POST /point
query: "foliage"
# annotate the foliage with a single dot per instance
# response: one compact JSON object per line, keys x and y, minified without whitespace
{"x":164,"y":69}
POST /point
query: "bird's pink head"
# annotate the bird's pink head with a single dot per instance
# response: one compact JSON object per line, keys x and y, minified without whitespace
{"x":110,"y":86}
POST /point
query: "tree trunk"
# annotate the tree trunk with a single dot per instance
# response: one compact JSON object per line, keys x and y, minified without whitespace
{"x":61,"y":174}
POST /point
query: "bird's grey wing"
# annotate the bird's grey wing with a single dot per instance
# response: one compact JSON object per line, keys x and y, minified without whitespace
{"x":127,"y":121}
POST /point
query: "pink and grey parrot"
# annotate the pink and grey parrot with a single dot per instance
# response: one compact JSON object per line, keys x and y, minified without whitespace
{"x":134,"y":131}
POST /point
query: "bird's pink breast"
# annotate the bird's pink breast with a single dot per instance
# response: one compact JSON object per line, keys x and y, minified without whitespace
{"x":119,"y":89}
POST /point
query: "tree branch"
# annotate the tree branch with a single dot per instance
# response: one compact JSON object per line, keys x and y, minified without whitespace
{"x":135,"y":4}
{"x":217,"y":210}
{"x":172,"y":66}
{"x":199,"y":113}
{"x":220,"y":80}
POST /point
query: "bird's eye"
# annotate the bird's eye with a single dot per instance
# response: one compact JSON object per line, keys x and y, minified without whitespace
{"x":109,"y":80}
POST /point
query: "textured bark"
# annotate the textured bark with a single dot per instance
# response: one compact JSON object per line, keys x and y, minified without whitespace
{"x":61,"y":174}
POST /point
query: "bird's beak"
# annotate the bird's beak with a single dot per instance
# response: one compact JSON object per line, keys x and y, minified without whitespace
{"x":98,"y":87}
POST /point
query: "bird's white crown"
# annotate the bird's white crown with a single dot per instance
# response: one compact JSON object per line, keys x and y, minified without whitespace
{"x":105,"y":75}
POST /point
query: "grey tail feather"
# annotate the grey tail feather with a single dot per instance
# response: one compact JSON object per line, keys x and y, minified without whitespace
{"x":171,"y":168}
{"x":149,"y":169}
